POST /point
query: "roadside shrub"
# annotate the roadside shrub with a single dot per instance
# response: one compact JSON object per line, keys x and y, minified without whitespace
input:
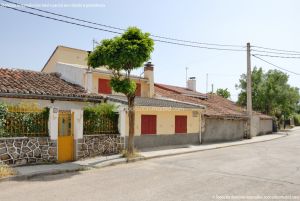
{"x":297,"y":119}
{"x":107,"y":109}
{"x":6,"y":171}
{"x":3,"y":112}
{"x":100,"y":119}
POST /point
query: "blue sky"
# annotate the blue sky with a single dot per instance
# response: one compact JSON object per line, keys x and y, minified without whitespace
{"x":28,"y":41}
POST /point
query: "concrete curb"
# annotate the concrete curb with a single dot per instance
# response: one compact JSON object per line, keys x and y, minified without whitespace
{"x":118,"y":161}
{"x":55,"y":172}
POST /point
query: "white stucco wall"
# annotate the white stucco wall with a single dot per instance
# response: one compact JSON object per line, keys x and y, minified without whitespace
{"x":76,"y":107}
{"x":78,"y":123}
{"x":71,"y":73}
{"x":53,"y":124}
{"x":61,"y":105}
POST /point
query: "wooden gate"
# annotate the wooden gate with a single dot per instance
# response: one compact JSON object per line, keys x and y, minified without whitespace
{"x":65,"y":136}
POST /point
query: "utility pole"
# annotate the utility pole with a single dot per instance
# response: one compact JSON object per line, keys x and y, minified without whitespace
{"x":93,"y":43}
{"x":206,"y":82}
{"x":212,"y":88}
{"x":249,"y":92}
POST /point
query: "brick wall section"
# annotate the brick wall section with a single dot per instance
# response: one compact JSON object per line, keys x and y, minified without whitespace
{"x":99,"y":145}
{"x":27,"y":150}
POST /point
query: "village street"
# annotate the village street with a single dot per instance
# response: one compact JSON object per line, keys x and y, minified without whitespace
{"x":261,"y":169}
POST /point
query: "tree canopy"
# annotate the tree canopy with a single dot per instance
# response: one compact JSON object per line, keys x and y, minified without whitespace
{"x":123,"y":54}
{"x":223,"y":92}
{"x":271,"y":93}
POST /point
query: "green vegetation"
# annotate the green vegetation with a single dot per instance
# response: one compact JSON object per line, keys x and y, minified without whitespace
{"x":223,"y":92}
{"x":6,"y":171}
{"x":121,"y":55}
{"x":23,"y":121}
{"x":100,"y":119}
{"x":107,"y":109}
{"x":271,"y":93}
{"x":297,"y":119}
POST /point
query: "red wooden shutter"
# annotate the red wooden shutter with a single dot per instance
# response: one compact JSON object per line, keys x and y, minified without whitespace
{"x":180,"y":124}
{"x":104,"y":86}
{"x":138,"y":90}
{"x":148,"y":124}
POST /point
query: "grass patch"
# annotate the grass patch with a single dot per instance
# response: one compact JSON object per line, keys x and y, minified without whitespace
{"x":6,"y":171}
{"x":133,"y":155}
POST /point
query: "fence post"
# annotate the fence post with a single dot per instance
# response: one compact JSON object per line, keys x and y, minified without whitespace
{"x":53,"y":123}
{"x":78,"y":130}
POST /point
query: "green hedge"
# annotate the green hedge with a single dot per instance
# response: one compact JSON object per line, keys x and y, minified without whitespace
{"x":297,"y":119}
{"x":21,"y":123}
{"x":100,"y":119}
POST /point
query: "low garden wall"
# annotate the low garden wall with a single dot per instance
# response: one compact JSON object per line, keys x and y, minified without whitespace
{"x":27,"y":150}
{"x":223,"y":130}
{"x":99,"y":145}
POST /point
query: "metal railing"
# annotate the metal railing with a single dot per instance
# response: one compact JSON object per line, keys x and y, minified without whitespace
{"x":25,"y":122}
{"x":101,"y":124}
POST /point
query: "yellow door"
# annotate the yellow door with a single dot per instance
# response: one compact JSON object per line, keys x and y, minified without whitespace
{"x":65,"y":136}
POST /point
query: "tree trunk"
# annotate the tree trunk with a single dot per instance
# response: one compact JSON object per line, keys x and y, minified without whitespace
{"x":131,"y":117}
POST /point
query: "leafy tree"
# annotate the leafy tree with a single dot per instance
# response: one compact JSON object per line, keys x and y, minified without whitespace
{"x":223,"y":92}
{"x":271,"y":93}
{"x":121,"y":55}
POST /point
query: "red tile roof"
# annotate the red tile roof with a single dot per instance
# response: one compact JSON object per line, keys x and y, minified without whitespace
{"x":216,"y":106}
{"x":32,"y":84}
{"x":182,"y":90}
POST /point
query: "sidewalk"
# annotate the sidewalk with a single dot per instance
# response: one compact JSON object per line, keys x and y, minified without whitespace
{"x":27,"y":172}
{"x":151,"y":153}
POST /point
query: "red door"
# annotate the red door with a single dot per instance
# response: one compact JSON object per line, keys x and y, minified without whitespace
{"x":138,"y":89}
{"x":104,"y":86}
{"x":180,"y":124}
{"x":148,"y":124}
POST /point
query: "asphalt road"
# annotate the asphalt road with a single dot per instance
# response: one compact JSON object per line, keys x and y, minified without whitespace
{"x":267,"y":169}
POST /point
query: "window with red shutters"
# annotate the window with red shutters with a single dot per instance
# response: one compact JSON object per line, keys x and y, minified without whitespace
{"x":104,"y":86}
{"x":138,"y":90}
{"x":148,"y":124}
{"x":180,"y":124}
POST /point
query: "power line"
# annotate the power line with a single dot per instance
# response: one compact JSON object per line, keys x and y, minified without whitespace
{"x":279,"y":50}
{"x":202,"y":47}
{"x":275,"y":65}
{"x":272,"y":52}
{"x":276,"y":56}
{"x":60,"y":15}
{"x":122,"y":29}
{"x":52,"y":18}
{"x":195,"y":42}
{"x":115,"y":32}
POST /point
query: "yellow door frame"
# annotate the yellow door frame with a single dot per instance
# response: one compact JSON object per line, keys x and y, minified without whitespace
{"x":65,"y":136}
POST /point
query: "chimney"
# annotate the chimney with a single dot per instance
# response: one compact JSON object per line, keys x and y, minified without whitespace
{"x":191,"y":83}
{"x":89,"y":80}
{"x":148,"y":74}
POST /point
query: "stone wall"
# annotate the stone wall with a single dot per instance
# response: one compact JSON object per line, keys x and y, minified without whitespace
{"x":99,"y":145}
{"x":27,"y":150}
